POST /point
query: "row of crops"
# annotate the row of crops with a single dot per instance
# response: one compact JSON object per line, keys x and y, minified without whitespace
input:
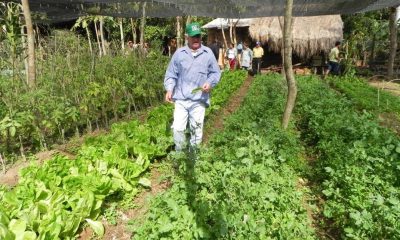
{"x":246,"y":183}
{"x":52,"y":201}
{"x":75,"y":93}
{"x":358,"y":161}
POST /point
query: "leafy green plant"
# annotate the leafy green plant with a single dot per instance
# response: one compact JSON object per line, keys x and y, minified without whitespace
{"x":357,"y":163}
{"x":54,"y":200}
{"x":243,"y":185}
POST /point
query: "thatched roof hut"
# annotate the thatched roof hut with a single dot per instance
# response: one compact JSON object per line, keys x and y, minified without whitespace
{"x":214,"y":29}
{"x":310,"y":34}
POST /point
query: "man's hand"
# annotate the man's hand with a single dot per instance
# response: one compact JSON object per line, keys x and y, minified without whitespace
{"x":168,"y":97}
{"x":206,"y":87}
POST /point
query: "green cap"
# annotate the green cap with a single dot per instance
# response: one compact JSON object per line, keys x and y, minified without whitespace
{"x":193,"y":29}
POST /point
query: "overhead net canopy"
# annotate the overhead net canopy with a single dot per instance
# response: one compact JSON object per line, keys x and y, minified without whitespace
{"x":58,"y":10}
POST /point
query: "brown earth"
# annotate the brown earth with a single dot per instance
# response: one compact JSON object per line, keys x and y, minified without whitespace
{"x":392,"y":87}
{"x":10,"y":176}
{"x":389,"y":120}
{"x":216,"y":123}
{"x":142,"y":200}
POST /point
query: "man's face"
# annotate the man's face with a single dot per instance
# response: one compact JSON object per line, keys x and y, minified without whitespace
{"x":194,"y":42}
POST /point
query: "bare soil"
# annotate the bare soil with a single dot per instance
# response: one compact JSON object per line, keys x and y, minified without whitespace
{"x":392,"y":87}
{"x":389,"y":120}
{"x":10,"y":177}
{"x":216,"y":123}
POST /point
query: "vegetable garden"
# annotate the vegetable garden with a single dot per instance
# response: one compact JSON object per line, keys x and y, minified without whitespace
{"x":331,"y":172}
{"x":252,"y":181}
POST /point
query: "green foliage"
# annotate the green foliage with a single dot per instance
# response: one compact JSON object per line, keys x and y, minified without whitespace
{"x":243,"y":185}
{"x":53,"y":200}
{"x":226,"y":87}
{"x":367,"y":97}
{"x":10,"y":37}
{"x":366,"y":33}
{"x":357,"y":165}
{"x":75,"y":91}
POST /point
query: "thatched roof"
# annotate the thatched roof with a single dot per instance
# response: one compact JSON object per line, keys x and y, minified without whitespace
{"x":226,"y":23}
{"x":310,"y":34}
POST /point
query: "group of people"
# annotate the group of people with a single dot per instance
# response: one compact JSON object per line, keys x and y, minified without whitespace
{"x":241,"y":56}
{"x":131,"y":47}
{"x":192,"y":74}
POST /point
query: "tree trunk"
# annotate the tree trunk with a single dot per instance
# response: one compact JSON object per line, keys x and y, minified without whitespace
{"x":98,"y":39}
{"x":291,"y":82}
{"x":103,"y":40}
{"x":178,"y":32}
{"x":282,"y":47}
{"x":121,"y":29}
{"x":225,"y":46}
{"x":31,"y":71}
{"x":393,"y":40}
{"x":134,"y":34}
{"x":24,"y":51}
{"x":89,"y":40}
{"x":142,"y":25}
{"x":188,"y":20}
{"x":234,"y":32}
{"x":231,"y":30}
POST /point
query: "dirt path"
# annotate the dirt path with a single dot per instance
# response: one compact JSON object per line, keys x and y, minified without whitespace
{"x":120,"y":231}
{"x":216,"y":123}
{"x":391,"y":87}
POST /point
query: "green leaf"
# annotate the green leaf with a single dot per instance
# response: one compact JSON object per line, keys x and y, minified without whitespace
{"x":145,"y":182}
{"x":196,"y":90}
{"x":17,"y":226}
{"x":5,"y":233}
{"x":97,"y":227}
{"x":12,"y":131}
{"x":4,"y":218}
{"x":29,"y":236}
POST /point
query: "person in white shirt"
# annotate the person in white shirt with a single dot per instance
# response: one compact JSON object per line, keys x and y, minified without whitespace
{"x":231,"y":54}
{"x":334,"y":59}
{"x":247,"y":57}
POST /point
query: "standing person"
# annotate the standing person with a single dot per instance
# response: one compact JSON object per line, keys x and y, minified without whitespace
{"x":129,"y":48}
{"x":190,"y":76}
{"x":258,"y":53}
{"x":231,"y":54}
{"x":247,"y":57}
{"x":239,"y":48}
{"x":215,"y":49}
{"x":333,"y":64}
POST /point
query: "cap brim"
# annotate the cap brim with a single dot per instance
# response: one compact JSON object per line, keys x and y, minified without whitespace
{"x":192,"y":34}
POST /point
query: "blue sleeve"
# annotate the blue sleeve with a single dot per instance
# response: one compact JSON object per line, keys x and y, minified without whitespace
{"x":214,"y":73}
{"x":171,"y":75}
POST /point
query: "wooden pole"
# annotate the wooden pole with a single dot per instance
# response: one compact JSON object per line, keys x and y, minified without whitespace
{"x":143,"y":24}
{"x":121,"y":29}
{"x":31,"y":71}
{"x":103,"y":40}
{"x":291,"y":81}
{"x":393,"y":41}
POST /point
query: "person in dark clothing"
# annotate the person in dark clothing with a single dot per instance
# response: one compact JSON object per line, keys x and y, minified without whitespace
{"x":215,"y":49}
